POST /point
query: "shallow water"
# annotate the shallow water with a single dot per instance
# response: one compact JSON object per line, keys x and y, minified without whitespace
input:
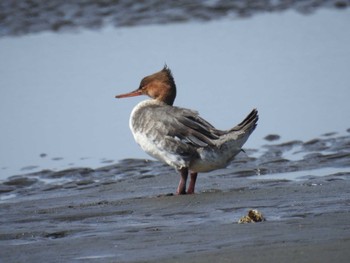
{"x":57,"y":102}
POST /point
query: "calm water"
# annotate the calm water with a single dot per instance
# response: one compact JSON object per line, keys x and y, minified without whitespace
{"x":57,"y":106}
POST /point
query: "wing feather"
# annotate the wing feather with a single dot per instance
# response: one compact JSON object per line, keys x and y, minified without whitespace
{"x":183,"y":125}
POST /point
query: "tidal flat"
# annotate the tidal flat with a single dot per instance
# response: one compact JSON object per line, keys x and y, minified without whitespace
{"x":126,"y":212}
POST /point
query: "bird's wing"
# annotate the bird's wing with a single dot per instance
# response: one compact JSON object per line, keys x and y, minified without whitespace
{"x":189,"y":127}
{"x":179,"y":126}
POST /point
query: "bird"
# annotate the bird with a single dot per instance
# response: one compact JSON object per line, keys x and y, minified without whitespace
{"x":178,"y":136}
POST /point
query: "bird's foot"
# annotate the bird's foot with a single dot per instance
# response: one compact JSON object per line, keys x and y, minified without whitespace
{"x":181,"y":189}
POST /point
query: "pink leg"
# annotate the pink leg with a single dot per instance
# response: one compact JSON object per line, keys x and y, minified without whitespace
{"x":190,"y":189}
{"x":181,"y":189}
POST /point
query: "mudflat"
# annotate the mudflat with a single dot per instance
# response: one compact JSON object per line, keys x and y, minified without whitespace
{"x":126,"y":213}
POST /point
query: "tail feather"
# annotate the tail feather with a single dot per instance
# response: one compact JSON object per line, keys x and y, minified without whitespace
{"x":249,"y":124}
{"x":230,"y":144}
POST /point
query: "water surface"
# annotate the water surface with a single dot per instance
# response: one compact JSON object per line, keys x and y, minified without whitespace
{"x":57,"y":90}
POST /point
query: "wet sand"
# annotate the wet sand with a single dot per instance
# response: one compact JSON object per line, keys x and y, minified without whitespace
{"x":305,"y":221}
{"x":125,"y":213}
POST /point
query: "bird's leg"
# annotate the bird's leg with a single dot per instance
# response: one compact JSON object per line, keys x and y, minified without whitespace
{"x":181,"y":189}
{"x":190,"y":189}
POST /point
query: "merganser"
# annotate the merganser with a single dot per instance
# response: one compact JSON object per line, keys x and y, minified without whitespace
{"x":179,"y":136}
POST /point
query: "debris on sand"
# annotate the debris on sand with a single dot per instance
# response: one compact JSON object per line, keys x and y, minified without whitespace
{"x":252,"y":217}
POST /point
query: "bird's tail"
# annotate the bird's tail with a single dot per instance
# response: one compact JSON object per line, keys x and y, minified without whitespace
{"x":238,"y":135}
{"x":249,"y":124}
